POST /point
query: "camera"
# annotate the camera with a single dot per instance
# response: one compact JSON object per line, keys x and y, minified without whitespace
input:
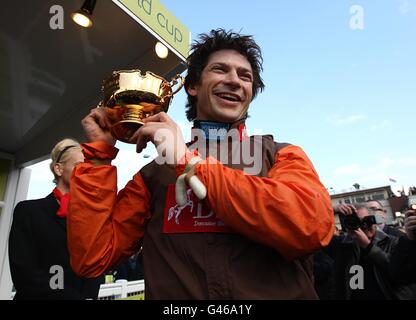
{"x":349,"y":222}
{"x":368,"y":222}
{"x":353,"y":222}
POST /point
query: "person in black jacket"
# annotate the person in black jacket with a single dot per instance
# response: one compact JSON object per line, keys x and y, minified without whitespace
{"x":362,"y":253}
{"x":38,"y":253}
{"x":403,"y":260}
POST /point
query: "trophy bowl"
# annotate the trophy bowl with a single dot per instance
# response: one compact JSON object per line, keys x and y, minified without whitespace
{"x":130,"y":97}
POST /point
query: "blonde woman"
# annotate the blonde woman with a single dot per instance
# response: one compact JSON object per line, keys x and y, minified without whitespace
{"x":39,"y":259}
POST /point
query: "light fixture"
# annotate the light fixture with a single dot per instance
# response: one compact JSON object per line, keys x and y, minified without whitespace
{"x":161,"y":50}
{"x":83,"y":17}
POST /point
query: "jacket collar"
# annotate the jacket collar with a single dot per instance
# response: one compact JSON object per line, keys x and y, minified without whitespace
{"x":52,"y":206}
{"x":217,"y":131}
{"x":380,"y":236}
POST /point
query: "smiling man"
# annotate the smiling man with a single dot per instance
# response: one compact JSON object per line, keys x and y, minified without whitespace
{"x":226,"y":90}
{"x":208,"y":230}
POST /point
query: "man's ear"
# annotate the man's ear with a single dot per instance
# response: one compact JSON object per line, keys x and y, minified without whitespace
{"x":192,"y":90}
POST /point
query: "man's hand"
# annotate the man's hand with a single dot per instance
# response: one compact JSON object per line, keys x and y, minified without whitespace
{"x":344,"y":209}
{"x":97,"y":127}
{"x":165,"y":134}
{"x":410,"y":224}
{"x":360,"y":237}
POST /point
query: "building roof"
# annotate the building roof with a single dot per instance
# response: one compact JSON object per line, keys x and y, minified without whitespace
{"x":363,"y":191}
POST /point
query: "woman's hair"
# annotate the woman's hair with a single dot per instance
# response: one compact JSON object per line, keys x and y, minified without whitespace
{"x":220,"y":39}
{"x":60,"y":153}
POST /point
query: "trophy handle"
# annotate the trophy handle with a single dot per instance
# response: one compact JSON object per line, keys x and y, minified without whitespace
{"x":174,"y":82}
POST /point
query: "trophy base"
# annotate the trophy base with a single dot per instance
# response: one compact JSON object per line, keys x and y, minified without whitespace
{"x":124,"y":130}
{"x":131,"y":116}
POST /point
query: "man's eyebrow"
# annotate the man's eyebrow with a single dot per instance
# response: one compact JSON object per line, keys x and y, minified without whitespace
{"x":246,"y":70}
{"x":223,"y":64}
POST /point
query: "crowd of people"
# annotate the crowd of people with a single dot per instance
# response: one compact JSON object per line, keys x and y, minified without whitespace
{"x":268,"y":235}
{"x":369,"y":252}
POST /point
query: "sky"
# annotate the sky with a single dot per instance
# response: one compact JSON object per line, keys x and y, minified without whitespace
{"x":340,"y":83}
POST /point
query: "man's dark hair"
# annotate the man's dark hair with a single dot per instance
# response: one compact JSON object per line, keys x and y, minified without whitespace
{"x":220,"y":39}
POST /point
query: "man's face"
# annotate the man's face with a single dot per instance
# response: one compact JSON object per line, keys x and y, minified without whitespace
{"x":224,"y":91}
{"x":375,"y":208}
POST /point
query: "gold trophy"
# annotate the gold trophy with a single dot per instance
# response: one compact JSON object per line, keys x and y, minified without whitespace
{"x":130,"y":97}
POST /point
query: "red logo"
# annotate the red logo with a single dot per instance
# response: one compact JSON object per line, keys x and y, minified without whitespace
{"x":194,"y":216}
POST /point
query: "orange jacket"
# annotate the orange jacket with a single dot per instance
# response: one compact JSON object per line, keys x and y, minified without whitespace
{"x":290,"y":210}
